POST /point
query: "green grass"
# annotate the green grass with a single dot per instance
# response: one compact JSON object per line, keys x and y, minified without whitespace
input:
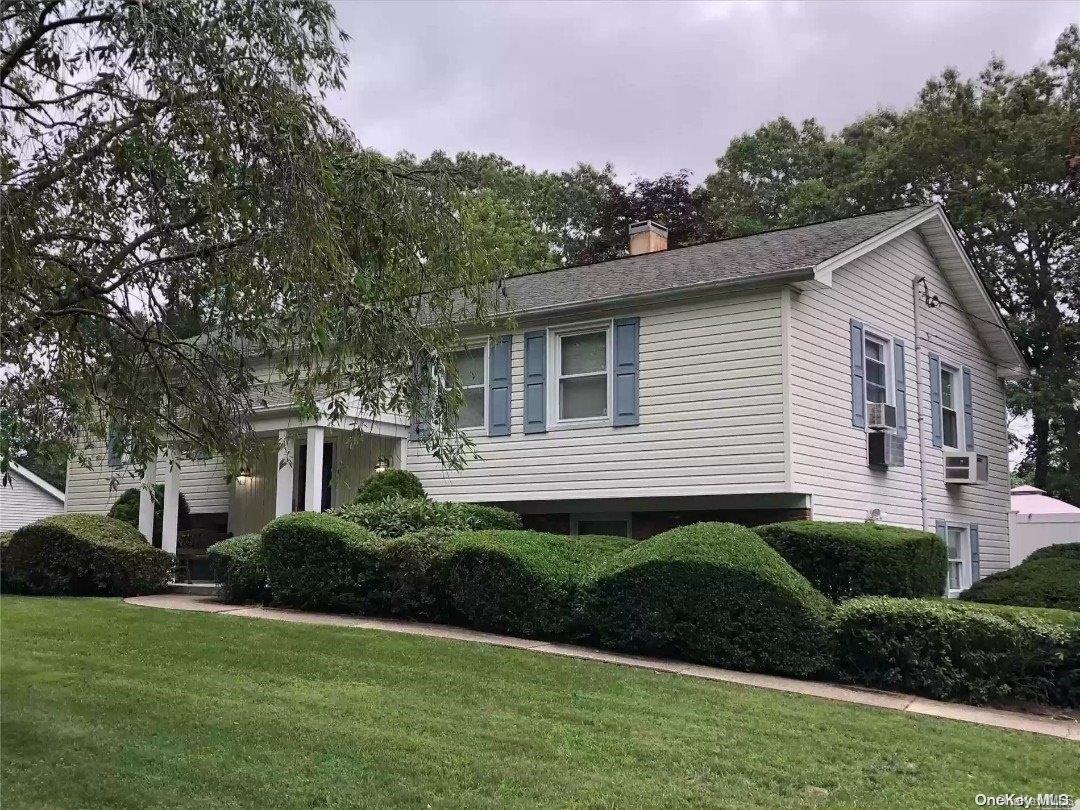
{"x":105,"y":704}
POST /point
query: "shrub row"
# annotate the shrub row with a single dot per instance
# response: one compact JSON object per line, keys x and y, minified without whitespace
{"x":83,"y":555}
{"x":845,"y":560}
{"x":239,"y":567}
{"x":1049,"y":578}
{"x":394,"y":516}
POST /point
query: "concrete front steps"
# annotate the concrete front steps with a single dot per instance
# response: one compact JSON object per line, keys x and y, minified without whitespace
{"x":208,"y":589}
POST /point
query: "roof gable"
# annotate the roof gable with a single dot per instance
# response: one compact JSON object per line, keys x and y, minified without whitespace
{"x":37,"y":481}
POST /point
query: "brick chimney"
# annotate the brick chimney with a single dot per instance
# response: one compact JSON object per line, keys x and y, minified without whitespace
{"x":647,"y":237}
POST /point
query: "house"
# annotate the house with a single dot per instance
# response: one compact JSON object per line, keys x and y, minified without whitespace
{"x":26,"y":498}
{"x":1037,"y":520}
{"x":848,"y":370}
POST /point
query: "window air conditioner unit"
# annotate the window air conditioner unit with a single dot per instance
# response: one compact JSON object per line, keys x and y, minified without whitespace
{"x":966,"y":468}
{"x":880,"y":416}
{"x":884,"y":449}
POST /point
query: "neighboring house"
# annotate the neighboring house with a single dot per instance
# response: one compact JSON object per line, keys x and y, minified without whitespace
{"x":741,"y":380}
{"x":27,"y":498}
{"x":1037,"y":520}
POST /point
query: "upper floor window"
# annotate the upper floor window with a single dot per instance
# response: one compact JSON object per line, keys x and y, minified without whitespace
{"x":875,"y":359}
{"x":581,"y":372}
{"x":472,"y":372}
{"x":951,"y":410}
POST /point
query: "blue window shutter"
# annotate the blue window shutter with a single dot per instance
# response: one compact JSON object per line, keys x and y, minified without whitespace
{"x":935,"y":400}
{"x":969,"y":421}
{"x":858,"y":377}
{"x":973,"y":540}
{"x":627,"y":332}
{"x":536,"y":382}
{"x":114,"y":447}
{"x":899,"y":375}
{"x":939,"y":529}
{"x":499,"y":386}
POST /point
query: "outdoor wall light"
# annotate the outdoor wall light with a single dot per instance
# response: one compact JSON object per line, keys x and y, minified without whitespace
{"x":382,"y":464}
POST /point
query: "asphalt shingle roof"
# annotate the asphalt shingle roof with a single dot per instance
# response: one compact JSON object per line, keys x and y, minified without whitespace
{"x":746,"y":258}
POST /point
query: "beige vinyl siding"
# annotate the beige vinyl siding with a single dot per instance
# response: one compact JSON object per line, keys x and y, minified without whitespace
{"x":829,"y":454}
{"x":711,"y":411}
{"x":94,"y":489}
{"x":22,"y":501}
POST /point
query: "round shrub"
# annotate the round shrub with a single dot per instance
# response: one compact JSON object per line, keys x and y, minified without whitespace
{"x":478,"y":517}
{"x":411,"y":574}
{"x":126,"y":508}
{"x":1065,"y":550}
{"x":320,"y":561}
{"x":239,"y":568}
{"x":84,"y":555}
{"x":389,"y":484}
{"x":1047,"y":581}
{"x":713,"y":593}
{"x":952,"y":651}
{"x":394,"y":516}
{"x":508,"y":582}
{"x":845,"y":560}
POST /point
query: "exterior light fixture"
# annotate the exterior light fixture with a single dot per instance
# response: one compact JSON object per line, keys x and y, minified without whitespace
{"x":382,"y":465}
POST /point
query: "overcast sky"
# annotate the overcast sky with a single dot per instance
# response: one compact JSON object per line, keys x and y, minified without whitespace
{"x":653,"y":87}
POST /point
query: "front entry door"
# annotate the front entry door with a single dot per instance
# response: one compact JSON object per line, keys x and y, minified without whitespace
{"x":300,"y":490}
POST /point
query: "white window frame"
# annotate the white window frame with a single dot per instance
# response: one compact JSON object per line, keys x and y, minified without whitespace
{"x":485,"y":344}
{"x":956,"y":370}
{"x":555,"y":335}
{"x":888,"y":354}
{"x":614,"y":517}
{"x":964,"y":560}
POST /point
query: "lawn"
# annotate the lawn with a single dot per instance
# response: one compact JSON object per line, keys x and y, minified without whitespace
{"x":108,"y":704}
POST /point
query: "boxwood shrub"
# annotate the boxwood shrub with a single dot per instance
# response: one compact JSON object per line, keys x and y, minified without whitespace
{"x":126,"y":508}
{"x":84,"y":555}
{"x":1067,"y":550}
{"x":320,"y":561}
{"x":239,"y":568}
{"x":844,"y":560}
{"x":516,"y":582}
{"x":954,"y":651}
{"x":411,"y":581}
{"x":479,"y":516}
{"x":390,"y":484}
{"x":1049,"y":580}
{"x":711,"y":592}
{"x":394,"y":516}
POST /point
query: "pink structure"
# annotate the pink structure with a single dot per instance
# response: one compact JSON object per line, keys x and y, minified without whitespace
{"x":1037,"y":520}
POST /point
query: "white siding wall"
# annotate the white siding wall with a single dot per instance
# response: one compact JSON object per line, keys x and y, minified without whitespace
{"x":711,"y":404}
{"x":24,"y":502}
{"x":93,"y":489}
{"x":829,"y":455}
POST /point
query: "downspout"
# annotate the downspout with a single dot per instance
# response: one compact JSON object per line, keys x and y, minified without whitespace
{"x":918,"y":400}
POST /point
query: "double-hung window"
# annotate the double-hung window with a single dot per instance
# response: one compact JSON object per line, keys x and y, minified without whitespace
{"x":957,"y":542}
{"x":951,"y":407}
{"x":471,"y":365}
{"x":582,"y":379}
{"x":876,"y":366}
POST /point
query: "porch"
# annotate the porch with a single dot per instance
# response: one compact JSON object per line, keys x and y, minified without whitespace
{"x":304,"y":465}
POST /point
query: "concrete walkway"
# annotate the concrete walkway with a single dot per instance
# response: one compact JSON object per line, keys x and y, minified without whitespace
{"x":1017,"y":721}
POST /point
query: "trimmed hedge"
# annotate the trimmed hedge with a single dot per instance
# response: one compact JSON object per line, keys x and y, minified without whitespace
{"x":239,"y":568}
{"x":320,"y":561}
{"x":1047,"y":581}
{"x":845,"y":560}
{"x":390,"y":484}
{"x":518,"y":582}
{"x":394,"y":516}
{"x":84,"y":555}
{"x":1066,"y":550}
{"x":712,"y":592}
{"x":126,"y":508}
{"x":952,"y":651}
{"x":412,"y":575}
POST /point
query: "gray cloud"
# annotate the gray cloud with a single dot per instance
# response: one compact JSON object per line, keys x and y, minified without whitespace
{"x":653,"y":87}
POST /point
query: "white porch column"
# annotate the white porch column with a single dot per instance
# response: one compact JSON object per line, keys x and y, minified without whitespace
{"x":313,"y":473}
{"x":146,"y":502}
{"x":285,"y":456}
{"x":171,"y":507}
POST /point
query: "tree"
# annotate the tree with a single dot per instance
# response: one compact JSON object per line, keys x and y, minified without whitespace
{"x":995,"y":152}
{"x":169,"y":169}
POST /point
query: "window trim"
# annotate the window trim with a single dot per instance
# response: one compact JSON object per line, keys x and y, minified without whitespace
{"x":965,"y":558}
{"x":469,"y":345}
{"x":615,"y":517}
{"x":554,"y":372}
{"x":956,"y":370}
{"x":888,"y":360}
